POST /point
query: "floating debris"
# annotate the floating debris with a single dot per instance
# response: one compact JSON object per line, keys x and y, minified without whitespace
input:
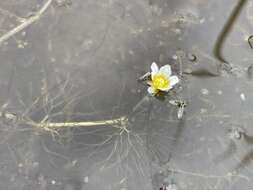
{"x":236,"y":133}
{"x":191,"y":57}
{"x":204,"y":91}
{"x":181,"y":107}
{"x":250,"y":41}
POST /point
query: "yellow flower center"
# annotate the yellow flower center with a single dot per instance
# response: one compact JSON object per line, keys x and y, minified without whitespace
{"x":160,"y":81}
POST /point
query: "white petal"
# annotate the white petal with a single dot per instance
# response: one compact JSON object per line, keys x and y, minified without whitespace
{"x":152,"y":91}
{"x":173,"y":80}
{"x":154,"y":67}
{"x":166,"y":70}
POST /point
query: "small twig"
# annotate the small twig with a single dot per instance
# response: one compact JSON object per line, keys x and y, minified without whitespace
{"x":27,"y":22}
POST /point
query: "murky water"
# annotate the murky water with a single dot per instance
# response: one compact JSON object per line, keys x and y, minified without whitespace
{"x":81,"y":61}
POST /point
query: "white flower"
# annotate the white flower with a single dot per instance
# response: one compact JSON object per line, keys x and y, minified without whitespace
{"x":161,"y":79}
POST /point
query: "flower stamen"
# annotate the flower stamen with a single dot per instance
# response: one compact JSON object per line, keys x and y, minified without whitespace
{"x":160,"y":81}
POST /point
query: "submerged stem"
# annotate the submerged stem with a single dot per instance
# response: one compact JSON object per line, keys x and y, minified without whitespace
{"x":25,"y":23}
{"x":113,"y":122}
{"x":120,"y":122}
